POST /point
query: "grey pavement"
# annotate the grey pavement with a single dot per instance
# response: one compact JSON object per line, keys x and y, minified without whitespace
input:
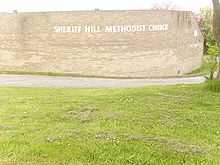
{"x":82,"y":82}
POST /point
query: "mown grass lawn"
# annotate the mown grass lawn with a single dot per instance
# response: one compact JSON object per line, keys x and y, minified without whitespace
{"x":152,"y":125}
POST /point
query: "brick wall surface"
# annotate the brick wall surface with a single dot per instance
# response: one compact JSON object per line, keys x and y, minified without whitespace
{"x":29,"y":43}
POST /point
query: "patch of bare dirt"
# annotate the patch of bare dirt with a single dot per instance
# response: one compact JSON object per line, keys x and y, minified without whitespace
{"x":172,"y":144}
{"x":87,"y":114}
{"x":5,"y":127}
{"x":84,"y":114}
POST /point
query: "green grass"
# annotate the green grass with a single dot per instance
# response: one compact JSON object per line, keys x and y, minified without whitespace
{"x":152,"y":125}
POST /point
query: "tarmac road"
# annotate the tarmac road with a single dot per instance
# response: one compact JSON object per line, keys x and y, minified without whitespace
{"x":82,"y":82}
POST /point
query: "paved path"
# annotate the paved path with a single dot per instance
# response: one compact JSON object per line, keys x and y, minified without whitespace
{"x":74,"y":82}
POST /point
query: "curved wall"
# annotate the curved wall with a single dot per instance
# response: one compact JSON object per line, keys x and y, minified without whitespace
{"x":101,"y":43}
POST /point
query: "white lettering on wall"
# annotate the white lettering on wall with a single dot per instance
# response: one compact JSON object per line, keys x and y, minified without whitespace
{"x":111,"y":28}
{"x":67,"y":29}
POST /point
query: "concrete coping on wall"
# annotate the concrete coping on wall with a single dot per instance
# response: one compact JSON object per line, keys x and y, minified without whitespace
{"x":98,"y":10}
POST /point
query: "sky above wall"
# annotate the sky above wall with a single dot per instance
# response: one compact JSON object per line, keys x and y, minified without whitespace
{"x":68,"y":5}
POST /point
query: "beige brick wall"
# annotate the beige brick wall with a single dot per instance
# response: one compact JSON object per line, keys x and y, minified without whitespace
{"x":28,"y":43}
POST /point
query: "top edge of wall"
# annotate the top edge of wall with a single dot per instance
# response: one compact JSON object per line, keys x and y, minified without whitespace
{"x":98,"y":10}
